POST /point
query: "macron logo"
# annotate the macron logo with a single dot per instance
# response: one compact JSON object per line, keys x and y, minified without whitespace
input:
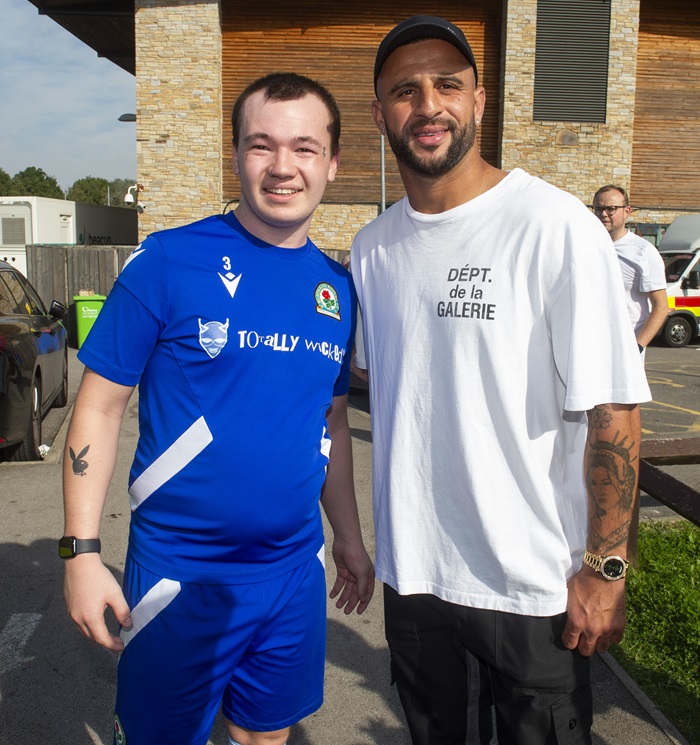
{"x":230,"y":281}
{"x":136,"y":252}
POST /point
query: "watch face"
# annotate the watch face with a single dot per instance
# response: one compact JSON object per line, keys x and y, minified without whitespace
{"x":66,"y":547}
{"x":613,"y":568}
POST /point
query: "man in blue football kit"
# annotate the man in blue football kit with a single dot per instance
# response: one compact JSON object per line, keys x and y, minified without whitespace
{"x":238,"y":332}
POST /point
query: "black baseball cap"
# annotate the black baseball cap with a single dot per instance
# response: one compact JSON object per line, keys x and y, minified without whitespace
{"x":422,"y":27}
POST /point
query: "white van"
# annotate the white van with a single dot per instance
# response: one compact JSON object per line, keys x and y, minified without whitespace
{"x":680,"y":250}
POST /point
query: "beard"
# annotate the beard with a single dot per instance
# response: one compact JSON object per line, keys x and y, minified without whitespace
{"x":462,"y":142}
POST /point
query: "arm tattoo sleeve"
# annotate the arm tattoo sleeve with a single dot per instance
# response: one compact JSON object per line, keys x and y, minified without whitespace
{"x":611,"y":480}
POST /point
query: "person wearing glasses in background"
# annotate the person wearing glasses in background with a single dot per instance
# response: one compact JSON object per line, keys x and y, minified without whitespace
{"x":641,"y":265}
{"x":500,"y":361}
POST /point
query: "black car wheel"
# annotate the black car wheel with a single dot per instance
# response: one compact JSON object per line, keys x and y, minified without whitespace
{"x":677,"y":332}
{"x":28,"y":449}
{"x":62,"y":398}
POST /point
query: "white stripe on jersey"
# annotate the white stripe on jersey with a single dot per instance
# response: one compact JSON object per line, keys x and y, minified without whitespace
{"x":185,"y":449}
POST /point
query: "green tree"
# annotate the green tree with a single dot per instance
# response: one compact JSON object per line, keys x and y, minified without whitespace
{"x":117,"y":190}
{"x":90,"y":190}
{"x":33,"y":182}
{"x":5,"y":183}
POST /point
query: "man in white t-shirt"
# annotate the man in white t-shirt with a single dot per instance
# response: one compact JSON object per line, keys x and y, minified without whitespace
{"x":504,"y":382}
{"x":641,"y":265}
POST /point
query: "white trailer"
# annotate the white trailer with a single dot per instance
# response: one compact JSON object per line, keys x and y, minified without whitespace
{"x":39,"y":220}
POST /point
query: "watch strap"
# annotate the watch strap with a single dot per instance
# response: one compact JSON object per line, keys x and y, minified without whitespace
{"x":70,"y":546}
{"x":594,"y":561}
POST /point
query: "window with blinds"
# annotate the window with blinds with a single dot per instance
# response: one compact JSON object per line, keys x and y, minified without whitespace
{"x":571,"y":60}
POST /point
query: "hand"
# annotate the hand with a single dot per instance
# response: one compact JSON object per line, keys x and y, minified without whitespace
{"x":596,"y":613}
{"x":354,"y":582}
{"x":89,"y":588}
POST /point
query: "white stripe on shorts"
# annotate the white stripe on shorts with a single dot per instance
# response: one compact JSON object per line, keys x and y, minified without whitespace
{"x":151,"y":604}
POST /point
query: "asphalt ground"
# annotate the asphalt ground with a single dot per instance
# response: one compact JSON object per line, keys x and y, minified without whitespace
{"x":57,"y":687}
{"x":674,"y":378}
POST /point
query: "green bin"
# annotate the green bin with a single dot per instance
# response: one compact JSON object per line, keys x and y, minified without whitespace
{"x":87,"y":308}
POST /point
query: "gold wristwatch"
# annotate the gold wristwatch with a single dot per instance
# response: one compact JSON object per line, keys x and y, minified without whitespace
{"x":611,"y":567}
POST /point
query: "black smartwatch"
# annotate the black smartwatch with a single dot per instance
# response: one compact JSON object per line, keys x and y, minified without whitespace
{"x":611,"y":567}
{"x":70,"y":546}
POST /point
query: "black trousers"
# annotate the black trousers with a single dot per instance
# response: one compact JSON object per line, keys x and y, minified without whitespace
{"x":451,"y":663}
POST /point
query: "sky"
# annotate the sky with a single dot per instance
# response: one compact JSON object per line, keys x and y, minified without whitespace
{"x":59,"y":102}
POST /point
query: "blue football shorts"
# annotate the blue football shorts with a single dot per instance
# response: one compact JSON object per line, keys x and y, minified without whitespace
{"x":257,"y":649}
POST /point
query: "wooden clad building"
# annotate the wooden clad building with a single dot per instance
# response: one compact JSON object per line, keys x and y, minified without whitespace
{"x":581,"y":93}
{"x":666,"y":148}
{"x":336,"y":43}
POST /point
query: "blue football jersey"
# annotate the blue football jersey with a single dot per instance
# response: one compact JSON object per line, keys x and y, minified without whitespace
{"x":238,"y":348}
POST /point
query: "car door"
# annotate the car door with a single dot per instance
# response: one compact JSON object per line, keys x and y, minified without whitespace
{"x":47,"y":334}
{"x":17,"y":363}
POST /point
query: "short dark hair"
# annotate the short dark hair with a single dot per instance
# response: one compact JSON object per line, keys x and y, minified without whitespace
{"x":612,"y":187}
{"x":288,"y":86}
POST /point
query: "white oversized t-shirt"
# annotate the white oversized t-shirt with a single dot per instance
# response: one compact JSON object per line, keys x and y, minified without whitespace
{"x":490,"y":329}
{"x":642,"y":272}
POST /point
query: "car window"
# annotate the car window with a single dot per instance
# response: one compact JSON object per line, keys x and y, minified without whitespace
{"x":19,"y":300}
{"x":38,"y":308}
{"x":675,"y":265}
{"x":8,"y":303}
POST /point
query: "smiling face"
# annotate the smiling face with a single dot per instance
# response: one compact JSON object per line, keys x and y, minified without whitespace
{"x":429,"y":107}
{"x":284,"y":162}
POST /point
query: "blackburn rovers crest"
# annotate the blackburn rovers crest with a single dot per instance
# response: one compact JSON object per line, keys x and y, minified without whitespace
{"x":327,"y":301}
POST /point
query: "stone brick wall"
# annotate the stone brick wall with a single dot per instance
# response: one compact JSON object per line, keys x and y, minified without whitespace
{"x":334,"y":225}
{"x":179,"y":111}
{"x":578,"y":157}
{"x":662,"y":217}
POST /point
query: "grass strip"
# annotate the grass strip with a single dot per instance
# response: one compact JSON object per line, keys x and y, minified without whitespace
{"x":661,"y":646}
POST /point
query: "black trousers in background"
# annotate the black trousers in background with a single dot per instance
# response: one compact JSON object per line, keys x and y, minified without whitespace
{"x":451,"y":663}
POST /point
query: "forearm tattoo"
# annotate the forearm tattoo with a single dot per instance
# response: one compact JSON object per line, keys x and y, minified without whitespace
{"x":599,"y":419}
{"x":79,"y":463}
{"x":611,"y":481}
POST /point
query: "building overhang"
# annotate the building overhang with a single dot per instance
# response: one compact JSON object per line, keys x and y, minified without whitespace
{"x":107,"y":26}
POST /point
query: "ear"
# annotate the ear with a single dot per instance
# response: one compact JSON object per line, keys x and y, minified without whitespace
{"x":334,"y":165}
{"x":479,"y":102}
{"x":234,"y":152}
{"x":378,"y":116}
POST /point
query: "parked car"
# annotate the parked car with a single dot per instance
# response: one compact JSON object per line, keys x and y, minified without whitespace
{"x":33,"y":364}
